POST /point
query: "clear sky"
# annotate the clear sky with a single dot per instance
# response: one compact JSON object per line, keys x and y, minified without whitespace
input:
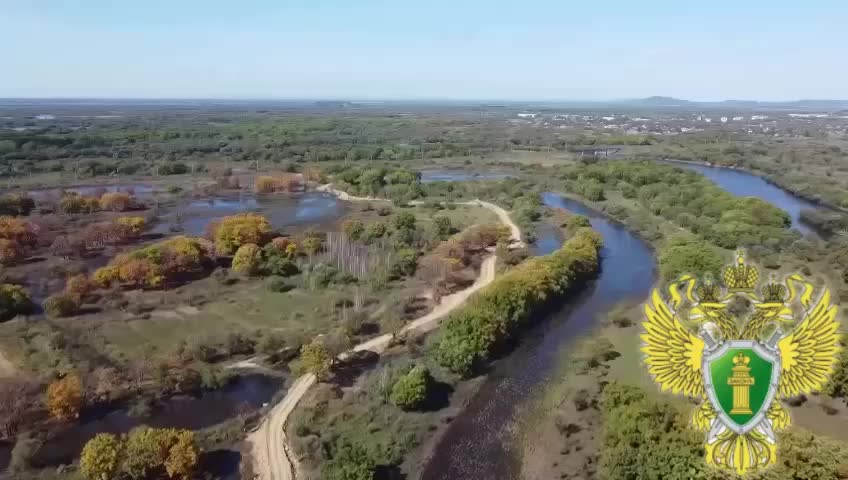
{"x":428,"y":49}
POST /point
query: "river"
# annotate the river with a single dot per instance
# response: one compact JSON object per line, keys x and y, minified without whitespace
{"x":476,"y":445}
{"x":746,"y":184}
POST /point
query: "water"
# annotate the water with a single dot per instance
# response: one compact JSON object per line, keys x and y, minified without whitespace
{"x":476,"y":445}
{"x":429,"y":176}
{"x":745,"y":184}
{"x":135,"y":189}
{"x":242,"y":395}
{"x":282,"y":210}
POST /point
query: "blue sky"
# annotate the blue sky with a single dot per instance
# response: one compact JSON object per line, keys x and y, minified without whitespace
{"x":432,"y":49}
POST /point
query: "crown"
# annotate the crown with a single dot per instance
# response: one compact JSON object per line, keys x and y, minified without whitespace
{"x":707,"y":291}
{"x":774,"y":292}
{"x":741,"y":277}
{"x":742,"y":359}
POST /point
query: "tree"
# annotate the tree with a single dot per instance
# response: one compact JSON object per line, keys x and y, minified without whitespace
{"x":247,"y":259}
{"x":443,"y":226}
{"x":65,"y":397}
{"x":147,"y":449}
{"x":405,"y":221}
{"x":78,"y":287}
{"x":101,"y":457}
{"x":353,"y":229}
{"x":14,"y":300}
{"x":182,"y":456}
{"x":60,"y":305}
{"x":410,"y":391}
{"x":682,"y":255}
{"x":316,"y":359}
{"x":405,"y":262}
{"x":104,"y":277}
{"x":311,"y":245}
{"x":237,"y":230}
{"x":21,"y":231}
{"x":350,"y":462}
{"x":13,"y":204}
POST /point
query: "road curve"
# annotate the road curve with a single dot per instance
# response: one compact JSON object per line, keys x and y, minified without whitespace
{"x":272,"y":458}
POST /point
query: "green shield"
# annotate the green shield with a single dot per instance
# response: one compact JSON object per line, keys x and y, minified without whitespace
{"x":741,"y":377}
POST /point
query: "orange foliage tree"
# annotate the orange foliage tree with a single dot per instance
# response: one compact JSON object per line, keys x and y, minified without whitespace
{"x":116,"y":202}
{"x":237,"y":230}
{"x":78,"y":287}
{"x":19,"y":230}
{"x":156,"y":264}
{"x":286,"y":182}
{"x":65,"y":397}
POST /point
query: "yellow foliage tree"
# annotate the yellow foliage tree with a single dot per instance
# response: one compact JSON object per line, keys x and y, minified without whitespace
{"x":101,"y":457}
{"x":237,"y":230}
{"x":182,"y":456}
{"x":246,"y":260}
{"x":65,"y":396}
{"x":104,"y":277}
{"x":115,"y":201}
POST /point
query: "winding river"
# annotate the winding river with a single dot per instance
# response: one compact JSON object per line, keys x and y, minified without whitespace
{"x":476,"y":444}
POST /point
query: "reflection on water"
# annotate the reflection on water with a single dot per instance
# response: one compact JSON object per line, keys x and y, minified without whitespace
{"x":476,"y":445}
{"x":244,"y":394}
{"x":744,"y":184}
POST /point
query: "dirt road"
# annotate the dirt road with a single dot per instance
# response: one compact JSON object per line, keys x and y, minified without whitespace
{"x":271,"y":453}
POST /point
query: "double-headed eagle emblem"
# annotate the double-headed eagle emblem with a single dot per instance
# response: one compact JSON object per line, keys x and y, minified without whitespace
{"x":694,"y":346}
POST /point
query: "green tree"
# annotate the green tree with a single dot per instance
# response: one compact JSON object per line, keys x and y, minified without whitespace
{"x":410,"y":391}
{"x":405,"y":262}
{"x":405,"y":221}
{"x":351,"y":462}
{"x":101,"y":457}
{"x":147,"y":450}
{"x":353,"y":229}
{"x":316,"y":359}
{"x":248,"y":259}
{"x":443,"y":226}
{"x":682,"y":255}
{"x":14,"y":300}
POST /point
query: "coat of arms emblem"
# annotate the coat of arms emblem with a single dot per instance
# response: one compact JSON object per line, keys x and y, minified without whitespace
{"x":693,"y":345}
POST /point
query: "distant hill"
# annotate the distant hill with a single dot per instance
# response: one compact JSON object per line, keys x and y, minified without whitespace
{"x":658,"y":101}
{"x":671,"y":102}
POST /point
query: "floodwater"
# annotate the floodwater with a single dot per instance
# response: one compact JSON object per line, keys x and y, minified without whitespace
{"x":477,"y":444}
{"x":282,"y":210}
{"x":135,"y":189}
{"x":744,"y":184}
{"x":243,"y":394}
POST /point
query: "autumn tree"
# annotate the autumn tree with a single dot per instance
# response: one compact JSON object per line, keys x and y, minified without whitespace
{"x":78,"y":287}
{"x":135,"y":225}
{"x":247,"y":259}
{"x":237,"y":230}
{"x":182,"y":456}
{"x":316,"y":359}
{"x":18,"y":230}
{"x":104,"y":277}
{"x":74,"y":203}
{"x":311,"y":245}
{"x":65,"y":397}
{"x":101,"y":457}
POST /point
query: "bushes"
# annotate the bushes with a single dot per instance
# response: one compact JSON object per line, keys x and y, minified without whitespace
{"x":60,"y":305}
{"x":237,"y":230}
{"x":74,"y":203}
{"x":353,"y":229}
{"x":116,"y":202}
{"x":288,"y":182}
{"x":65,"y":397}
{"x":10,"y":252}
{"x":134,"y":225}
{"x":13,"y":204}
{"x":18,"y":230}
{"x":316,"y":359}
{"x":495,"y":315}
{"x":405,"y":262}
{"x":410,"y":391}
{"x":143,"y":453}
{"x":14,"y":300}
{"x":150,"y":267}
{"x":247,"y":259}
{"x":682,"y":255}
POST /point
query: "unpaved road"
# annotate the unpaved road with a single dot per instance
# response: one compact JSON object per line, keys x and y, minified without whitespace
{"x":272,"y":457}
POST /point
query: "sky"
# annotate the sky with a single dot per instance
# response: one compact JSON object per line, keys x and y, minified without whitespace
{"x":432,"y":49}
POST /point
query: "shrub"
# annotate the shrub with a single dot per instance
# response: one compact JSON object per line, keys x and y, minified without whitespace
{"x":410,"y":391}
{"x":74,"y":203}
{"x":14,"y":300}
{"x":277,"y":284}
{"x":14,"y":204}
{"x":60,"y":305}
{"x":351,"y":462}
{"x":78,"y":287}
{"x":152,"y":266}
{"x":247,"y":259}
{"x":384,"y":210}
{"x":104,"y":277}
{"x":101,"y":457}
{"x":115,"y":202}
{"x":443,"y":226}
{"x":135,"y":225}
{"x":374,"y":231}
{"x":405,"y":262}
{"x":65,"y":397}
{"x":288,"y":182}
{"x":237,"y":230}
{"x":18,"y":230}
{"x":353,"y":229}
{"x":405,"y":221}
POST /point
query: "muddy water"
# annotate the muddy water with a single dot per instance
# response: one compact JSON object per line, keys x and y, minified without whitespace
{"x":283,"y":210}
{"x":477,"y":444}
{"x":243,"y":395}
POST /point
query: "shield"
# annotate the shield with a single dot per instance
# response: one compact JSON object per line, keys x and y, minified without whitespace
{"x":741,"y":379}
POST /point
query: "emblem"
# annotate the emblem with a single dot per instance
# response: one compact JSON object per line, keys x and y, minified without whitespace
{"x":693,"y":345}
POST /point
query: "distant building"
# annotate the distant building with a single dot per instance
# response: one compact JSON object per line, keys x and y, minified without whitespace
{"x":723,"y":119}
{"x":528,"y":115}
